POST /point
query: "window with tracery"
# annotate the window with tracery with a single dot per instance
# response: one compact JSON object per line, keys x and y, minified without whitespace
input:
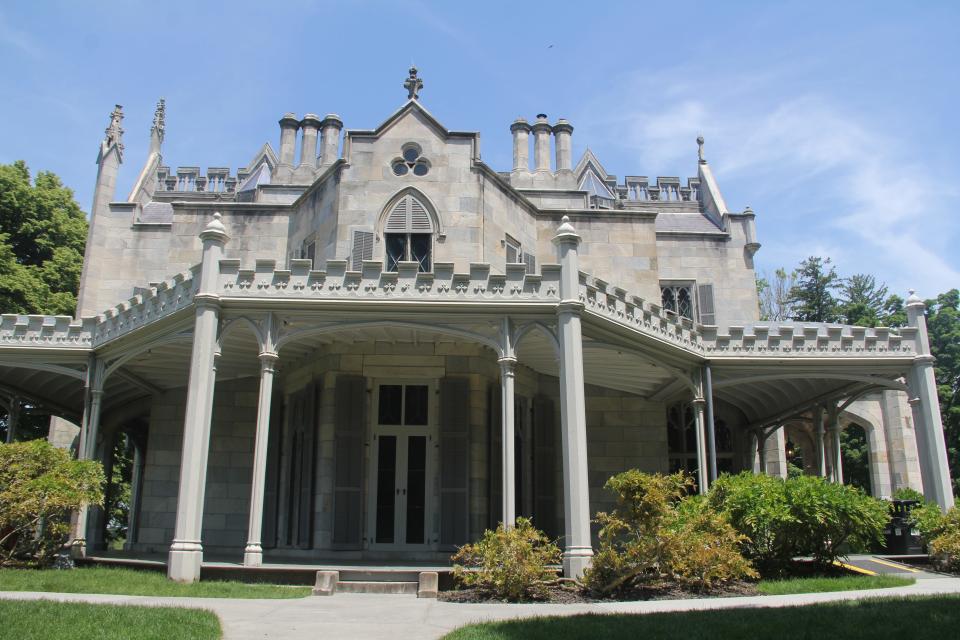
{"x":678,"y":298}
{"x":411,"y":161}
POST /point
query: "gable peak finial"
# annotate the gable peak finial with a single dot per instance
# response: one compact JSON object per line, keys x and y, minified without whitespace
{"x":159,"y":118}
{"x":413,"y":84}
{"x":700,"y":150}
{"x":114,"y":131}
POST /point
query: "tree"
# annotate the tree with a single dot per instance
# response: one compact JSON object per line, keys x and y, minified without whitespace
{"x":812,"y":295}
{"x":865,"y":303}
{"x":943,"y":325}
{"x":775,"y":305}
{"x":42,"y":237}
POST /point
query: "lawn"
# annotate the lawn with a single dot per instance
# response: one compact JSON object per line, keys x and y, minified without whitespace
{"x":135,"y":583}
{"x":39,"y":620}
{"x":927,"y":618}
{"x":818,"y":585}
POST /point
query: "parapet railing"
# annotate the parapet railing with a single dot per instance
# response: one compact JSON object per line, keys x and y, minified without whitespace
{"x":372,"y":282}
{"x":800,"y":339}
{"x":46,"y":331}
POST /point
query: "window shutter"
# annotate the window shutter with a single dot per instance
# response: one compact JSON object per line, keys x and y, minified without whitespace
{"x":397,"y":220}
{"x":409,"y":215}
{"x":454,"y":461}
{"x":362,"y":249}
{"x":705,"y":302}
{"x":531,"y":261}
{"x":544,"y":466}
{"x":419,"y":219}
{"x":349,"y":430}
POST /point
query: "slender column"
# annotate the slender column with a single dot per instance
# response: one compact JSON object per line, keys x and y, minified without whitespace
{"x":576,"y":485}
{"x":711,"y":427}
{"x":821,"y":444}
{"x":507,"y":373}
{"x":756,"y":444}
{"x":13,"y":417}
{"x":253,"y":553}
{"x":136,"y":495}
{"x":90,"y":426}
{"x":186,"y":552}
{"x":928,"y":425}
{"x":837,"y":475}
{"x":703,"y":478}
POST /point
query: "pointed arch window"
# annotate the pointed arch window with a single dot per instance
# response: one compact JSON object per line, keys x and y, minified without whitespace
{"x":408,"y":234}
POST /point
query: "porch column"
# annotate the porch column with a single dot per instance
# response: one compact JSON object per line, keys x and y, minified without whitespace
{"x":13,"y":417}
{"x":253,"y":553}
{"x":710,"y":425}
{"x":821,"y":444}
{"x":703,"y":479}
{"x":136,"y":492}
{"x":756,"y":446}
{"x":186,"y":552}
{"x":507,"y":372}
{"x":90,"y":425}
{"x":573,"y":419}
{"x":928,"y":425}
{"x":837,"y":475}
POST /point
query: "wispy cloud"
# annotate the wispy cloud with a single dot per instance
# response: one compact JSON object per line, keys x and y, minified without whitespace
{"x":11,"y":38}
{"x":860,"y":197}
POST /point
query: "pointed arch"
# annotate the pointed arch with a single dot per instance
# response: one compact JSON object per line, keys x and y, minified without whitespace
{"x":409,"y":211}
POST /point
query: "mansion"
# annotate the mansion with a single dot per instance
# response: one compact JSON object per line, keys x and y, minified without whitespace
{"x":367,"y":345}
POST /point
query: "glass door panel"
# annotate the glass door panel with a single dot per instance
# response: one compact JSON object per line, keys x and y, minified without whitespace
{"x":416,"y":489}
{"x":386,"y":489}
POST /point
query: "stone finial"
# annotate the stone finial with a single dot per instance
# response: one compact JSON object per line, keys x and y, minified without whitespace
{"x":413,"y":85}
{"x":114,"y":131}
{"x":700,"y":150}
{"x":215,"y":229}
{"x":566,"y":233}
{"x":565,"y":226}
{"x":159,"y":119}
{"x":914,"y":299}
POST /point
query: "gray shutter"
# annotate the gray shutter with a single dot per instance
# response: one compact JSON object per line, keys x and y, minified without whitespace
{"x":531,"y":261}
{"x":362,"y":249}
{"x":308,"y":455}
{"x":349,"y":432}
{"x":705,"y":304}
{"x":270,"y":492}
{"x":454,"y":460}
{"x":544,"y":466}
{"x":495,"y":456}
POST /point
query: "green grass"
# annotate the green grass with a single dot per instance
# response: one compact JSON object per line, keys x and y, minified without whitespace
{"x":819,"y":585}
{"x":135,"y":583}
{"x":38,"y":620}
{"x":928,"y":618}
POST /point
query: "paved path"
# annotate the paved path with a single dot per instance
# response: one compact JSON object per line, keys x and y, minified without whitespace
{"x":399,"y":617}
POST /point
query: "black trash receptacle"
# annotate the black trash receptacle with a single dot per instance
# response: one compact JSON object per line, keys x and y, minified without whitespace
{"x":902,"y":538}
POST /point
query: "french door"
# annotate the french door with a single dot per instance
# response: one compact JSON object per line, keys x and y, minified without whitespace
{"x":401,"y":466}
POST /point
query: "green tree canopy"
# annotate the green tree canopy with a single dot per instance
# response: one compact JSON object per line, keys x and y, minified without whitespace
{"x":43,"y":232}
{"x":943,"y":325}
{"x":812,"y":294}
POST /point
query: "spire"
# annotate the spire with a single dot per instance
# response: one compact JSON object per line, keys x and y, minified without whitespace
{"x":159,"y":127}
{"x":114,"y":132}
{"x":413,"y":85}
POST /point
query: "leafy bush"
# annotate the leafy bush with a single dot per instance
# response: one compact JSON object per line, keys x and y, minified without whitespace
{"x":510,"y":564}
{"x":945,"y":551}
{"x":656,"y":534}
{"x":805,"y":516}
{"x":39,"y":487}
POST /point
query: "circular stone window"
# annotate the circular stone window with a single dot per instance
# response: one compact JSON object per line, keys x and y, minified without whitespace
{"x":412,"y":160}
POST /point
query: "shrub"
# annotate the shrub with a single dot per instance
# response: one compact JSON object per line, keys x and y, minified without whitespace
{"x":39,"y":487}
{"x":656,"y":534}
{"x":510,"y":564}
{"x":804,"y":516}
{"x":945,"y":551}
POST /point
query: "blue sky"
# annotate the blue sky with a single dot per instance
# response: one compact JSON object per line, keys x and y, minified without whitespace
{"x":833,"y":121}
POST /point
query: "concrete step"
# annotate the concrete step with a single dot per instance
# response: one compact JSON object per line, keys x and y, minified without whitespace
{"x":367,"y":586}
{"x":379,"y":575}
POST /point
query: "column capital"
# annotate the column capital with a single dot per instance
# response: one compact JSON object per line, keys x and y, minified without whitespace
{"x":207,"y":300}
{"x":268,"y":360}
{"x":924,"y":360}
{"x":698,"y":402}
{"x":570,"y":306}
{"x":507,"y":364}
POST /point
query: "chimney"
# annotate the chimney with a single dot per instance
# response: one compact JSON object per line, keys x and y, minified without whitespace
{"x":521,"y":144}
{"x":563,"y":131}
{"x":288,"y":138}
{"x":308,"y":146}
{"x":330,"y":146}
{"x":541,"y":142}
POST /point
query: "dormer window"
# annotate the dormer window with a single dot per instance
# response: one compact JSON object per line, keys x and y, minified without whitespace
{"x":408,"y":234}
{"x":411,"y":160}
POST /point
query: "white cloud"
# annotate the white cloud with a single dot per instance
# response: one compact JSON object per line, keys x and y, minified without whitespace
{"x":861,"y":200}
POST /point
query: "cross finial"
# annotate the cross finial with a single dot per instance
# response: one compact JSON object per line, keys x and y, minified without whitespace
{"x":413,"y":85}
{"x":700,"y":150}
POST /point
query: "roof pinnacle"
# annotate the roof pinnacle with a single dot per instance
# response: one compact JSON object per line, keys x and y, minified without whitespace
{"x":413,"y":85}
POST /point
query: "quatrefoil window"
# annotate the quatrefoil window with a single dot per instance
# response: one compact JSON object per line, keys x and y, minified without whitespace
{"x":412,"y":160}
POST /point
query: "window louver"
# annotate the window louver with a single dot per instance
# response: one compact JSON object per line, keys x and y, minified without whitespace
{"x":362,"y":249}
{"x":409,"y":215}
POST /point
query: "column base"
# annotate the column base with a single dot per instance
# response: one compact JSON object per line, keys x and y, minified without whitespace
{"x":576,"y":560}
{"x":183,"y":563}
{"x":78,"y":548}
{"x":253,"y":555}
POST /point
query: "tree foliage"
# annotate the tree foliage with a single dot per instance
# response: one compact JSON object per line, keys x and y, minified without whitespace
{"x":812,"y":295}
{"x":943,"y":325}
{"x":774,"y":295}
{"x":42,"y":237}
{"x":39,"y":486}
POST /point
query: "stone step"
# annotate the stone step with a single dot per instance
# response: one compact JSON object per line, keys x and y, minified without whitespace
{"x":367,"y":586}
{"x":379,"y":575}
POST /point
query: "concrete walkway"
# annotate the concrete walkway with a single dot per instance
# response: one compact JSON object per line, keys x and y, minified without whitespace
{"x":398,"y":617}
